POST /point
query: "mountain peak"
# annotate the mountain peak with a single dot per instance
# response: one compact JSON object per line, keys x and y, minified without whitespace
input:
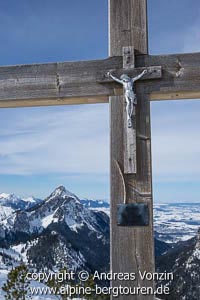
{"x":61,"y":188}
{"x":61,"y":191}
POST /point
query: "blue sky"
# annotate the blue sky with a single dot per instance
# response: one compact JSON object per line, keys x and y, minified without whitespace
{"x":41,"y":148}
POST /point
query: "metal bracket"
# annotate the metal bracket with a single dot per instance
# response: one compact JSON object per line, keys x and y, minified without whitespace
{"x":133,"y":214}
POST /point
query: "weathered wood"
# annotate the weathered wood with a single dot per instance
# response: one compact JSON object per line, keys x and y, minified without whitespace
{"x":128,"y":57}
{"x":56,"y":83}
{"x":130,"y":155}
{"x":85,"y":82}
{"x":132,"y":249}
{"x":127,"y":27}
{"x":180,"y":76}
{"x":52,"y":101}
{"x":176,"y":95}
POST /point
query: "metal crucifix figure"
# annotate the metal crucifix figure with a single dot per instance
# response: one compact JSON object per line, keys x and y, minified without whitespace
{"x":129,"y":93}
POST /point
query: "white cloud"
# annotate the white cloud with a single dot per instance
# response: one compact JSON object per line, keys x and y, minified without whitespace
{"x":60,"y":140}
{"x":176,"y":141}
{"x":75,"y":140}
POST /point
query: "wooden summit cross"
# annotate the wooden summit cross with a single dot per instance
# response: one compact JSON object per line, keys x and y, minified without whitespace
{"x":169,"y":77}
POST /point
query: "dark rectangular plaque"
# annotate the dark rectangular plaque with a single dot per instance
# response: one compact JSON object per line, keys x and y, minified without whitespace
{"x":133,"y":214}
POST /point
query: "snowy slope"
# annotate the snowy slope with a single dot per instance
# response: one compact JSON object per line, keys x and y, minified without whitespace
{"x":174,"y":222}
{"x":62,"y":228}
{"x":184,"y":261}
{"x":9,"y":203}
{"x":60,"y":206}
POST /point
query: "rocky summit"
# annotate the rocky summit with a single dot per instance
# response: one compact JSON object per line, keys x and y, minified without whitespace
{"x":58,"y":232}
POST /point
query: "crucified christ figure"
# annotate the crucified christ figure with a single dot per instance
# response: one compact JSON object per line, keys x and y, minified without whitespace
{"x":129,"y":93}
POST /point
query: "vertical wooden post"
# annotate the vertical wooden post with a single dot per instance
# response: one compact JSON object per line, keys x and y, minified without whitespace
{"x":132,"y":248}
{"x":130,"y":153}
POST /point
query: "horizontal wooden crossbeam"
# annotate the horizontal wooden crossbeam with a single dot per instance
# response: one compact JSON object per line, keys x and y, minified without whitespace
{"x":55,"y":83}
{"x":180,"y":76}
{"x":85,"y":81}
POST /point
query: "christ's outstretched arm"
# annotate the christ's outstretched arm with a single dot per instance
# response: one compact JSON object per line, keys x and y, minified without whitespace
{"x":114,"y":78}
{"x":139,"y":76}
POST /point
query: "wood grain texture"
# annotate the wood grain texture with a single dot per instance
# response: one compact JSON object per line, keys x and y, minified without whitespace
{"x":175,"y":76}
{"x":56,"y":83}
{"x":180,"y":76}
{"x":128,"y":57}
{"x":132,"y":248}
{"x":126,"y":26}
{"x":52,"y":101}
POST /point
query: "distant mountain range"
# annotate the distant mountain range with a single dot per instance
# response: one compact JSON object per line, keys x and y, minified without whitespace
{"x":57,"y":232}
{"x":173,"y":222}
{"x":64,"y":231}
{"x":66,"y":222}
{"x":9,"y":203}
{"x":95,"y":204}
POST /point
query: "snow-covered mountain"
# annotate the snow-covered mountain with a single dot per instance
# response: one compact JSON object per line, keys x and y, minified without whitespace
{"x":12,"y":201}
{"x":31,"y":201}
{"x":63,"y":231}
{"x":172,"y":222}
{"x":9,"y":203}
{"x":184,"y":261}
{"x":95,"y":204}
{"x":59,"y":232}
